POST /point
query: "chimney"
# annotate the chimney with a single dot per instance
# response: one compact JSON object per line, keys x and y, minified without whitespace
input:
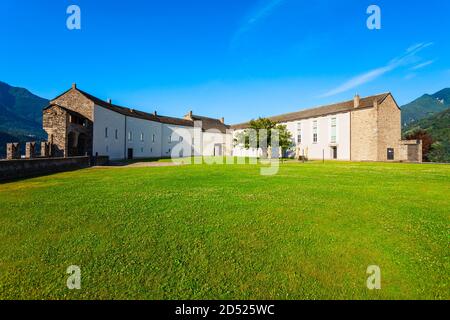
{"x":356,"y":100}
{"x":109,"y":101}
{"x":188,"y":116}
{"x":74,"y":85}
{"x":222,"y":120}
{"x":155,"y":113}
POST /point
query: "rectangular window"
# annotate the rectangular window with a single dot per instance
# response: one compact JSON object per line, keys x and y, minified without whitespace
{"x":153,"y":138}
{"x":390,"y":154}
{"x":315,"y":131}
{"x":299,"y":133}
{"x":117,"y":134}
{"x":142,"y":150}
{"x":130,"y":135}
{"x":170,"y":139}
{"x":106,"y":132}
{"x":333,"y":130}
{"x":181,"y":139}
{"x":142,"y":136}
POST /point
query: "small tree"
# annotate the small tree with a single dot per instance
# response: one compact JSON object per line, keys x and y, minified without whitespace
{"x":440,"y":152}
{"x":285,"y":137}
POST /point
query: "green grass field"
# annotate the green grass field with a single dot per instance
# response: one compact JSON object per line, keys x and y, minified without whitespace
{"x":226,"y":232}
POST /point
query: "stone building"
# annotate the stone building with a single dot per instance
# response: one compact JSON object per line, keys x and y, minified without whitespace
{"x":79,"y":124}
{"x":362,"y":129}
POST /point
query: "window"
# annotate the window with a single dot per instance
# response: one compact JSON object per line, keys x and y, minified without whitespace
{"x":117,"y":134}
{"x":181,"y":154}
{"x":142,"y":150}
{"x":153,"y":138}
{"x":181,"y":139}
{"x":390,"y":154}
{"x":333,"y":130}
{"x":170,"y":139}
{"x":142,"y":136}
{"x":130,"y":135}
{"x":315,"y":131}
{"x":299,"y":133}
{"x":106,"y":132}
{"x":151,"y":150}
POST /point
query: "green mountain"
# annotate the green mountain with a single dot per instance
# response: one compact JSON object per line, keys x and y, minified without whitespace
{"x":20,"y":116}
{"x":425,"y":106}
{"x":438,"y":126}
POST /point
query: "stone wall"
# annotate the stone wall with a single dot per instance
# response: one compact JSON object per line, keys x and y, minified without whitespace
{"x":55,"y":124}
{"x":389,"y":129}
{"x":24,"y":168}
{"x":75,"y":101}
{"x":364,"y":134}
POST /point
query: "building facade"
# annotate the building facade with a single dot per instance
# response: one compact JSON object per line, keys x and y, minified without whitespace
{"x":78,"y":123}
{"x":362,"y":129}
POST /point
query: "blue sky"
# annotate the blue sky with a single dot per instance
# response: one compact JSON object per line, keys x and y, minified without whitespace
{"x":234,"y":58}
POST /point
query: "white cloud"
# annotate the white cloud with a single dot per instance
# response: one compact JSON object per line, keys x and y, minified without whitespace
{"x":257,"y":15}
{"x":422,"y":65}
{"x":406,"y":59}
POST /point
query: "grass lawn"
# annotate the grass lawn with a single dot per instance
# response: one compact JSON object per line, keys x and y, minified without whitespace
{"x":226,"y":232}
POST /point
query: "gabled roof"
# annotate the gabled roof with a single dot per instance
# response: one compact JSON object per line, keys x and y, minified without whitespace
{"x":207,"y":123}
{"x":211,"y":123}
{"x":119,"y":109}
{"x":346,"y":106}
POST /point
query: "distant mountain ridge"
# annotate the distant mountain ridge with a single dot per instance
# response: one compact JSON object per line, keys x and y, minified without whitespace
{"x":20,"y":116}
{"x":425,"y":106}
{"x":20,"y":111}
{"x":438,"y":125}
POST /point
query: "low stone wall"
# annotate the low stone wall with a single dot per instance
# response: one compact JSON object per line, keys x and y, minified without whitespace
{"x":24,"y":168}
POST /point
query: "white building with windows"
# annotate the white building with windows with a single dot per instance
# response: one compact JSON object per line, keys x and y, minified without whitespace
{"x":362,"y":129}
{"x":78,"y":123}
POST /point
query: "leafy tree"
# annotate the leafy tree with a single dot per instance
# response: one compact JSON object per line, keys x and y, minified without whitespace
{"x":440,"y":152}
{"x":252,"y":140}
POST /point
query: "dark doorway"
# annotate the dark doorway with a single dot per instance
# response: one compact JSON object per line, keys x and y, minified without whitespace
{"x":334,"y":153}
{"x":390,"y":154}
{"x":217,"y":150}
{"x":82,"y":145}
{"x":130,"y":154}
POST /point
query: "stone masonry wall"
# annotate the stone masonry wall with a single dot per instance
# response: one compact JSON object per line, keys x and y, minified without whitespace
{"x":75,"y":101}
{"x":364,"y":134}
{"x":389,"y":130}
{"x":55,"y":122}
{"x":24,"y":168}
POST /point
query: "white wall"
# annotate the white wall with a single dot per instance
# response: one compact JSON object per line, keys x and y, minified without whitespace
{"x":146,"y":148}
{"x":174,"y":147}
{"x":323,"y":145}
{"x":161,"y":146}
{"x":108,"y":146}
